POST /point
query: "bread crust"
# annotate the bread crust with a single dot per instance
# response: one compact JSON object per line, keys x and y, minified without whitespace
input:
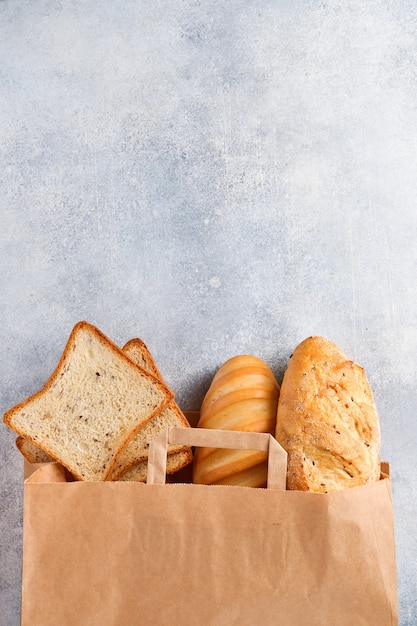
{"x":327,"y":420}
{"x":138,"y":347}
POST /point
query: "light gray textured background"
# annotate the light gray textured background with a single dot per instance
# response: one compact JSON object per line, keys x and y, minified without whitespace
{"x":216,"y":178}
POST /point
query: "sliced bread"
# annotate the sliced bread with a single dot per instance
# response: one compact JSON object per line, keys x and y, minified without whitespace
{"x":133,"y":459}
{"x":138,"y":351}
{"x":32,"y":452}
{"x":93,"y":404}
{"x":139,"y":471}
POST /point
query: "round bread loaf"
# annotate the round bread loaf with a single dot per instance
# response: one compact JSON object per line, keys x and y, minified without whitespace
{"x":243,"y":396}
{"x":327,"y":420}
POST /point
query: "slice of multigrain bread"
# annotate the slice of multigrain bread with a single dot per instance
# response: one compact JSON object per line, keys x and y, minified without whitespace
{"x":139,"y":353}
{"x":32,"y":452}
{"x":93,"y":404}
{"x":131,"y":464}
{"x":139,"y":471}
{"x":135,"y":454}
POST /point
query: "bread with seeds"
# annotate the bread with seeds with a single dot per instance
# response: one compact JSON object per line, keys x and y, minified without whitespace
{"x":327,"y":420}
{"x":132,"y":461}
{"x":93,"y":404}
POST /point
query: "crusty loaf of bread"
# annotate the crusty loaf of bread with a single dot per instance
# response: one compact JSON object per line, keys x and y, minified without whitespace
{"x":131,"y":464}
{"x":327,"y":420}
{"x":94,"y":403}
{"x":243,"y":395}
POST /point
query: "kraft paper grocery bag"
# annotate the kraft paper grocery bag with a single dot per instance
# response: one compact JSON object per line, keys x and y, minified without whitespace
{"x":132,"y":554}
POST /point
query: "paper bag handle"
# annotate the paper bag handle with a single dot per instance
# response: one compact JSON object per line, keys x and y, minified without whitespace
{"x":237,"y":440}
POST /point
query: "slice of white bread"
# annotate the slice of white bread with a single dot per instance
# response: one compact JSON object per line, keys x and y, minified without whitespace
{"x":131,"y":464}
{"x":92,"y":405}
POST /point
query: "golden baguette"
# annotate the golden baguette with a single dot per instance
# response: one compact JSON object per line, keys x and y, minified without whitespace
{"x":243,"y":396}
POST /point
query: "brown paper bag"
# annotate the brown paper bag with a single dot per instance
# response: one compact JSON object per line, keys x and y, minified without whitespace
{"x":130,"y":554}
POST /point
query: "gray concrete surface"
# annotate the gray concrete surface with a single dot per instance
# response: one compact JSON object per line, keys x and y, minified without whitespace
{"x":216,"y":178}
